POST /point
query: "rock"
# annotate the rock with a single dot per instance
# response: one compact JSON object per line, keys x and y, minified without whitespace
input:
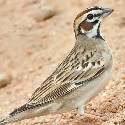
{"x":45,"y":13}
{"x":5,"y":79}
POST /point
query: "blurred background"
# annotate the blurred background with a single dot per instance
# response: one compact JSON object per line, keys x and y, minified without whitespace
{"x":35,"y":36}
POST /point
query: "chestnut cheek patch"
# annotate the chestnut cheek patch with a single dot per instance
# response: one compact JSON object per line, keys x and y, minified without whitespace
{"x":87,"y":26}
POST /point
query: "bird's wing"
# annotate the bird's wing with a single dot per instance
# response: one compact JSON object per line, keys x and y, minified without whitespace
{"x":76,"y":70}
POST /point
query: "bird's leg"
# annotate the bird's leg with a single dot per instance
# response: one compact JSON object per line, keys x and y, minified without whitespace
{"x":80,"y":110}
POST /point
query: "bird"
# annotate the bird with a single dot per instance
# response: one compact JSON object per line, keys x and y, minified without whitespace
{"x":79,"y":78}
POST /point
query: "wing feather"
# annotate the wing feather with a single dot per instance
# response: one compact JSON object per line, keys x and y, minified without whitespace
{"x":73,"y":72}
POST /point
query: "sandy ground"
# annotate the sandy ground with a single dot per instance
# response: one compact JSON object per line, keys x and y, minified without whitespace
{"x":31,"y":50}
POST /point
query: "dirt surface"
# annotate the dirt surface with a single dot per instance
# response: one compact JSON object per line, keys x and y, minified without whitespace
{"x":30,"y":50}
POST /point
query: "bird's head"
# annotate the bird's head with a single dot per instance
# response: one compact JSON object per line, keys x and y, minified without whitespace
{"x":88,"y":22}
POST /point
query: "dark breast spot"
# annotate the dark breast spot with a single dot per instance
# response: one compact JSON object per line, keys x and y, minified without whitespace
{"x":93,"y":63}
{"x":87,"y":57}
{"x":85,"y":65}
{"x":98,"y":62}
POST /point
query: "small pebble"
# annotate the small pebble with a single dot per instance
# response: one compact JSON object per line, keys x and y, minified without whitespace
{"x":5,"y":79}
{"x":45,"y":13}
{"x":123,"y":77}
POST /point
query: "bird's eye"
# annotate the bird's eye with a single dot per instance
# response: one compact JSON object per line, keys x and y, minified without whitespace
{"x":90,"y":16}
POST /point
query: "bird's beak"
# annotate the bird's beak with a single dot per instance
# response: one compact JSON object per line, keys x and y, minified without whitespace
{"x":106,"y":12}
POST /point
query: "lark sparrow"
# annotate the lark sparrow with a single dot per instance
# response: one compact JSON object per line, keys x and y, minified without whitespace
{"x":79,"y":78}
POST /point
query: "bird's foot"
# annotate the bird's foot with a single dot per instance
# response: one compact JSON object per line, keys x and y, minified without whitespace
{"x":102,"y":117}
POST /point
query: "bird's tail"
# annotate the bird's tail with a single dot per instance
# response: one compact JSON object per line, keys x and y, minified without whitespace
{"x":3,"y":122}
{"x":17,"y":115}
{"x":6,"y":120}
